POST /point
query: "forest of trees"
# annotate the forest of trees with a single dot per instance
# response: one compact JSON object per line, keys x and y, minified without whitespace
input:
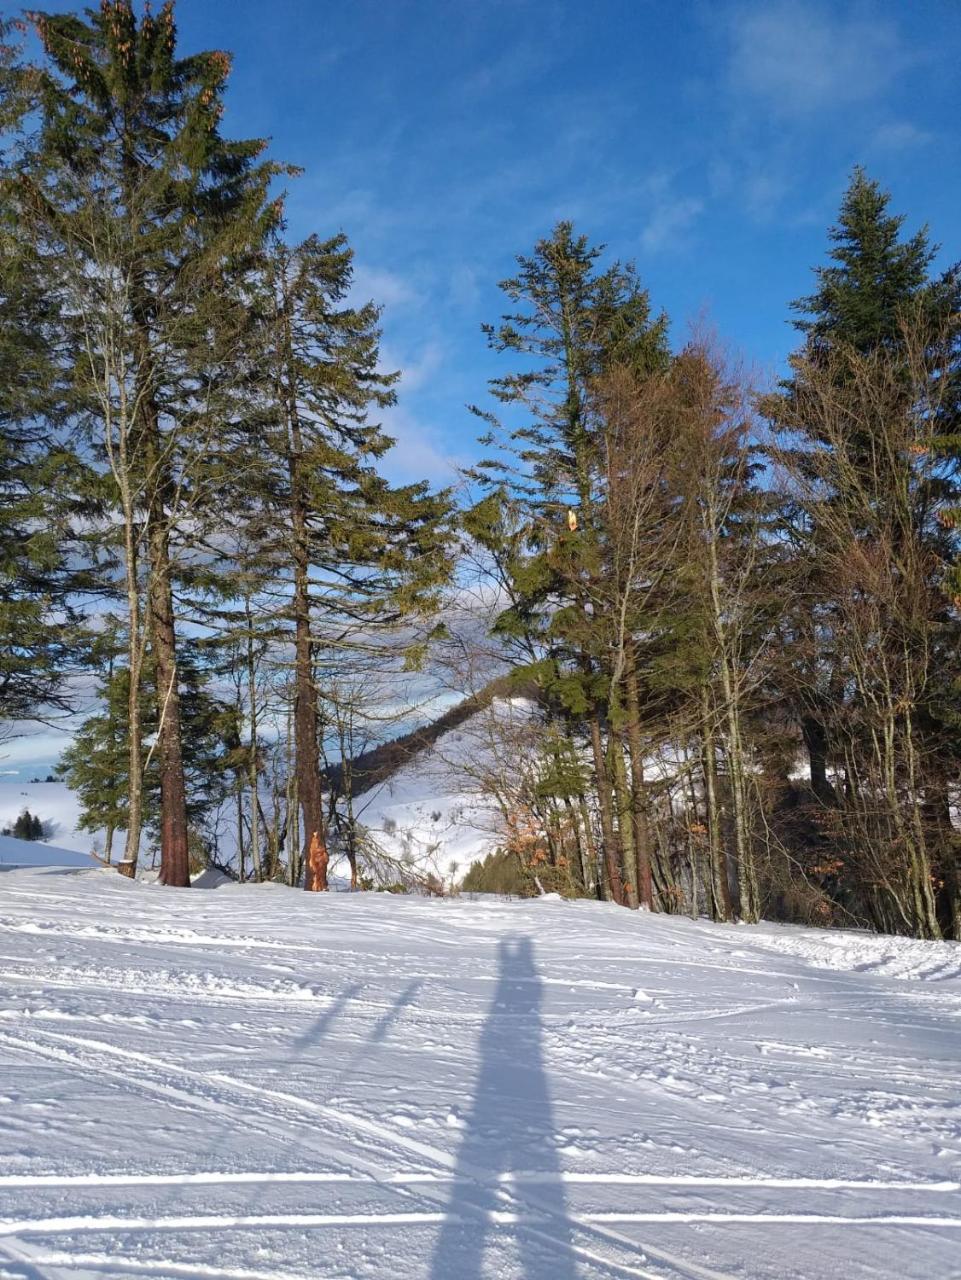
{"x":734,"y":611}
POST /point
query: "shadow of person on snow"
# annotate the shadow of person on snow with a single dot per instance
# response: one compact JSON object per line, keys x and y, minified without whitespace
{"x":509,"y":1130}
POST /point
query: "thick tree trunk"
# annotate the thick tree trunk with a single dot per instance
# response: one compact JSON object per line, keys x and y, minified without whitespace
{"x":310,"y":792}
{"x":641,"y":827}
{"x":174,"y":855}
{"x":307,"y":773}
{"x":609,"y":856}
{"x":816,"y":741}
{"x":174,"y":852}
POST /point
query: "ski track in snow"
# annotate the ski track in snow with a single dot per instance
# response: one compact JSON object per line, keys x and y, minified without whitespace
{"x":249,"y":1083}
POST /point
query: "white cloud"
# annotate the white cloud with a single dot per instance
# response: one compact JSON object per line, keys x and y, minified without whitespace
{"x":418,"y":452}
{"x":900,"y":135}
{"x":386,"y":288}
{"x":670,"y":219}
{"x":804,"y":57}
{"x":464,"y":286}
{"x":669,"y":222}
{"x":417,"y":372}
{"x":763,"y":193}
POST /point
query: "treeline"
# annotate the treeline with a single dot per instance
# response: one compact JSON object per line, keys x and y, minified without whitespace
{"x":739,"y":608}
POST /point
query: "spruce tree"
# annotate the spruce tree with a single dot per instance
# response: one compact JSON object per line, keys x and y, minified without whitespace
{"x":574,"y":323}
{"x":96,"y":763}
{"x":873,"y":385}
{"x":44,"y":492}
{"x":349,"y":553}
{"x":876,"y":283}
{"x":145,"y":215}
{"x":27,"y":827}
{"x":873,"y":275}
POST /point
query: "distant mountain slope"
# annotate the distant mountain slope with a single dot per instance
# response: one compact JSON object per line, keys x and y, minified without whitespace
{"x":414,"y":794}
{"x":374,"y":767}
{"x":422,"y":798}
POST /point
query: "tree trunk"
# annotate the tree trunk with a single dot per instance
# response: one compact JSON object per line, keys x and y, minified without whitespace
{"x":722,"y":907}
{"x":595,"y":878}
{"x":310,"y":792}
{"x":131,"y":853}
{"x":306,"y":720}
{"x":295,"y":862}
{"x":306,"y":748}
{"x":816,"y":741}
{"x":574,"y":823}
{"x":241,"y":849}
{"x":253,"y":773}
{"x":641,"y":827}
{"x":625,"y":829}
{"x":605,"y":805}
{"x":174,"y":853}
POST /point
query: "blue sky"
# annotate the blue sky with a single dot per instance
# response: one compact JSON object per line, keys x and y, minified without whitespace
{"x":709,"y":141}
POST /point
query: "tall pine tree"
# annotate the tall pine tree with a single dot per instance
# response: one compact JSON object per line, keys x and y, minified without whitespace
{"x":145,"y":216}
{"x":574,"y":322}
{"x":350,"y":554}
{"x":43,"y":491}
{"x":870,"y":388}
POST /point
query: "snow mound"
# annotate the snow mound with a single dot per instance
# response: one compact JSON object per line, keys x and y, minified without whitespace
{"x":856,"y":951}
{"x":210,"y":878}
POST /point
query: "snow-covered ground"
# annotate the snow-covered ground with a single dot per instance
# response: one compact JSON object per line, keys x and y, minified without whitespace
{"x":251,"y":1082}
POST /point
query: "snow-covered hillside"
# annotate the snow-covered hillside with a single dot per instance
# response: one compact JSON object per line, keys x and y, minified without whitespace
{"x":428,"y":816}
{"x":34,"y":853}
{"x":53,"y":802}
{"x":436,"y":812}
{"x":252,"y":1083}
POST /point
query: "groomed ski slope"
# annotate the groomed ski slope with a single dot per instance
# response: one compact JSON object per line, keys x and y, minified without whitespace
{"x":246,"y":1083}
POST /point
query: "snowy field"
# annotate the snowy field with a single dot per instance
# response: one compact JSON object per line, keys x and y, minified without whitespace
{"x":248,"y":1083}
